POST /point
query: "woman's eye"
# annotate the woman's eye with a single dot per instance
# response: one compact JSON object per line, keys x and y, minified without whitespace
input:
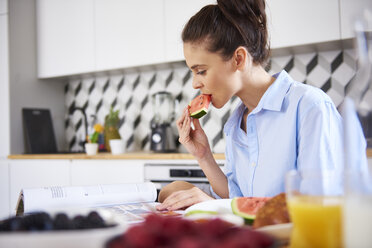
{"x":201,"y":72}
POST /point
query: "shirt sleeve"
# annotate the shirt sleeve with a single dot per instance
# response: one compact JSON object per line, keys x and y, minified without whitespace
{"x":234,"y":190}
{"x":320,"y":147}
{"x":214,"y":195}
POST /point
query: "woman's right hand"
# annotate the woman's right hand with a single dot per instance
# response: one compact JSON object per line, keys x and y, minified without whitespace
{"x":195,"y":141}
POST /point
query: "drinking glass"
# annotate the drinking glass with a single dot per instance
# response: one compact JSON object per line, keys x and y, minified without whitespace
{"x":315,"y":209}
{"x":357,"y":210}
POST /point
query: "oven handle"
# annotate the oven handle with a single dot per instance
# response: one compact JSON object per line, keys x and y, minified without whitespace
{"x":186,"y":173}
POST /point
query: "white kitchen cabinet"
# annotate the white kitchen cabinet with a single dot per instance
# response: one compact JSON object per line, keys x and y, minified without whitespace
{"x":349,"y":10}
{"x":177,"y":13}
{"x":80,"y":36}
{"x":4,"y":190}
{"x":299,"y":22}
{"x":3,"y":7}
{"x":65,"y":37}
{"x":92,"y":172}
{"x":36,"y":173}
{"x":128,"y":33}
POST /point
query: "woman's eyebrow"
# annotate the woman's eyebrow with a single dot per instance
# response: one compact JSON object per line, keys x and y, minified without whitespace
{"x":195,"y":66}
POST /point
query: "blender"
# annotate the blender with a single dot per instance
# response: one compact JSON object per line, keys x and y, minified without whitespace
{"x":162,"y":137}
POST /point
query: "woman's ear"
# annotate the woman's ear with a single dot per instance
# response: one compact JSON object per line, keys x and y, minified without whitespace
{"x":241,"y":58}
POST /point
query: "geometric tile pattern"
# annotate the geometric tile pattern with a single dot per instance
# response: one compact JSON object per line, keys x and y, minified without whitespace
{"x":131,"y":93}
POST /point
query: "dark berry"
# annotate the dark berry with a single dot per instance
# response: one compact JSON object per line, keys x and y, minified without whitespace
{"x":15,"y":224}
{"x":62,"y":222}
{"x":79,"y":222}
{"x":94,"y":220}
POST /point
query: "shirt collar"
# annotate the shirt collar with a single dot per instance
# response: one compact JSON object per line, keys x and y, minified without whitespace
{"x":274,"y":96}
{"x":271,"y":100}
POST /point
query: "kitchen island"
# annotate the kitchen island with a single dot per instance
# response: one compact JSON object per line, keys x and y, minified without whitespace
{"x":38,"y":170}
{"x":76,"y":169}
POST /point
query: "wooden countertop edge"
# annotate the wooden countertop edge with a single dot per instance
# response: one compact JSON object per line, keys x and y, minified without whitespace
{"x":369,"y":152}
{"x":128,"y":156}
{"x":134,"y":156}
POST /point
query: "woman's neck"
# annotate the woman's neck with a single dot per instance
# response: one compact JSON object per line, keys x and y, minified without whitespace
{"x":255,"y":82}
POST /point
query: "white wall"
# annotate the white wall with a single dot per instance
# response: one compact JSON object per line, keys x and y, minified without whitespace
{"x":25,"y":89}
{"x":3,"y":7}
{"x":4,"y":79}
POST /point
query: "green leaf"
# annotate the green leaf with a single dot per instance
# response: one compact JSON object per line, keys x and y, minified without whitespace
{"x":94,"y":137}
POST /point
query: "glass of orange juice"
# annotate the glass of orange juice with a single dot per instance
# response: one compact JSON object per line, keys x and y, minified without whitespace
{"x":315,"y":209}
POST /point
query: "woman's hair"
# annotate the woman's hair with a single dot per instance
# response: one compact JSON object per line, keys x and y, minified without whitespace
{"x":228,"y":25}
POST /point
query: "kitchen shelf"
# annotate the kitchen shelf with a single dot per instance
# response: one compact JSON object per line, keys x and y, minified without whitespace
{"x":106,"y":155}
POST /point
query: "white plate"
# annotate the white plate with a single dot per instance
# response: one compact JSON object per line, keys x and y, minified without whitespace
{"x":90,"y":238}
{"x":280,"y":231}
{"x":222,"y":206}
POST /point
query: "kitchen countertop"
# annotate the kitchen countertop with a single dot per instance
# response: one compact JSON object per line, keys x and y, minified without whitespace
{"x":106,"y":155}
{"x":134,"y":155}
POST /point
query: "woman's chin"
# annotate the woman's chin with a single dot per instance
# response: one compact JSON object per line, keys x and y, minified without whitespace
{"x":217,"y":105}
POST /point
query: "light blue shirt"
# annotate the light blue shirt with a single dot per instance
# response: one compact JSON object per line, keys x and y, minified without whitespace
{"x":294,"y":126}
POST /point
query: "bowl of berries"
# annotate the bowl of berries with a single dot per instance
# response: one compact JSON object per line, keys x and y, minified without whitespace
{"x":172,"y":231}
{"x":72,"y":228}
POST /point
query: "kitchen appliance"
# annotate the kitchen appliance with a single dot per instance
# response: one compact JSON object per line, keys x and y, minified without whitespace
{"x":163,"y":173}
{"x":162,"y":135}
{"x":38,"y":131}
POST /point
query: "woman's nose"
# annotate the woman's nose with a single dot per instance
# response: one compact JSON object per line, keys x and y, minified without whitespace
{"x":196,"y":84}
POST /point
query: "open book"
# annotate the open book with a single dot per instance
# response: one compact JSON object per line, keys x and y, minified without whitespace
{"x":132,"y":200}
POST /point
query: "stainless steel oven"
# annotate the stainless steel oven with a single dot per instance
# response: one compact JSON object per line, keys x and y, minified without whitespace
{"x":163,"y":173}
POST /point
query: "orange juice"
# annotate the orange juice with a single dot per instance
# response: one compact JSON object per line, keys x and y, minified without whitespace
{"x":316,"y":220}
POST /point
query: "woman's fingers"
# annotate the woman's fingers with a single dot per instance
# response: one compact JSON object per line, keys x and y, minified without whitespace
{"x":172,"y":199}
{"x":183,"y":198}
{"x":196,"y":123}
{"x":183,"y":126}
{"x":180,"y":120}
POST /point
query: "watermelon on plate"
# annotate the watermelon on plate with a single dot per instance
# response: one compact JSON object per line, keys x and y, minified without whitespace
{"x":198,"y":107}
{"x":247,"y":207}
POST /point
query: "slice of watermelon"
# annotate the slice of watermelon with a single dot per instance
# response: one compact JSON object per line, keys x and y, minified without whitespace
{"x":198,"y":107}
{"x":247,"y":207}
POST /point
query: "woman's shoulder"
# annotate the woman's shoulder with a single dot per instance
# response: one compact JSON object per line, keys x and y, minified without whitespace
{"x":299,"y":91}
{"x":308,"y":94}
{"x":312,"y":100}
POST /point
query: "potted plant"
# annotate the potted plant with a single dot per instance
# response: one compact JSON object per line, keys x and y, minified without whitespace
{"x":111,"y":127}
{"x":91,"y":147}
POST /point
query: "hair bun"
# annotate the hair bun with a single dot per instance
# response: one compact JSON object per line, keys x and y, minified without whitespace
{"x":230,"y":24}
{"x":243,"y":8}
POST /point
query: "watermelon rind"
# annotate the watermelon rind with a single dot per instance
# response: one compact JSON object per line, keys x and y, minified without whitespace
{"x":193,"y":212}
{"x":199,"y":114}
{"x":248,"y":218}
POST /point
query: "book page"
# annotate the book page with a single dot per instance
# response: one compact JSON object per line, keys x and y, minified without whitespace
{"x":43,"y":199}
{"x":136,"y":212}
{"x":132,"y":212}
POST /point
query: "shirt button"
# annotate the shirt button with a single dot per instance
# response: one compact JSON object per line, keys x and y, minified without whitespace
{"x":253,"y":164}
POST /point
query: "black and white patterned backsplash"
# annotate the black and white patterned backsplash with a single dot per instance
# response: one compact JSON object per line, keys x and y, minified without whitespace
{"x":130,"y":93}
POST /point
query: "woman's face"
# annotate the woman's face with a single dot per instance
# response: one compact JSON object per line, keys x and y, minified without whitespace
{"x":211,"y":74}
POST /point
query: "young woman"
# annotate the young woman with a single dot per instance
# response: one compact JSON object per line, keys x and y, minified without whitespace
{"x":280,"y":124}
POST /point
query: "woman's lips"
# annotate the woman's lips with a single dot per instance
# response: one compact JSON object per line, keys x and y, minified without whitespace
{"x":211,"y":99}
